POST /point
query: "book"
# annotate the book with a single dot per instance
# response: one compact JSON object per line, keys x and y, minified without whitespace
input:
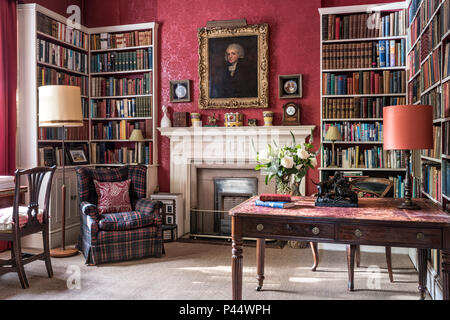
{"x":275,"y":197}
{"x":275,"y":204}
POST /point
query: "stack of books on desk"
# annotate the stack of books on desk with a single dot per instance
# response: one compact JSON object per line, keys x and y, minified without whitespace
{"x":281,"y":201}
{"x":7,"y":182}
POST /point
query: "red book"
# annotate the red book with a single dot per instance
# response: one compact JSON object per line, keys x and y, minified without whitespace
{"x":275,"y":197}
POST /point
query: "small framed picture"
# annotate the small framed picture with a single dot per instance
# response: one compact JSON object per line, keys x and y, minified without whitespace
{"x":290,"y":86}
{"x":180,"y":91}
{"x":169,"y":219}
{"x":77,"y":156}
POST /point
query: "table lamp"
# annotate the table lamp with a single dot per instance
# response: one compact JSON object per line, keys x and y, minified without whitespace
{"x":333,"y":135}
{"x":408,"y":127}
{"x":136,"y":135}
{"x":60,"y":107}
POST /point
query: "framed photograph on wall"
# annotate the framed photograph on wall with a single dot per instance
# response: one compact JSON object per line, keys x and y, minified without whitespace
{"x":290,"y":86}
{"x":234,"y":67}
{"x":180,"y":91}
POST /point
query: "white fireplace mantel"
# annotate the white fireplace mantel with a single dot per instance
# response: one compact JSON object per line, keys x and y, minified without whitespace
{"x":231,"y":147}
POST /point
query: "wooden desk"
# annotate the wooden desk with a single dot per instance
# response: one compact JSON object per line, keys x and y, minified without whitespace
{"x":375,"y":222}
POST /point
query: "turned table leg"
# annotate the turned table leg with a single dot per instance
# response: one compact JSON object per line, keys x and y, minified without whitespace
{"x":445,"y":267}
{"x":315,"y":252}
{"x":422,"y":266}
{"x":236,"y":260}
{"x":260,"y":256}
{"x":351,"y":250}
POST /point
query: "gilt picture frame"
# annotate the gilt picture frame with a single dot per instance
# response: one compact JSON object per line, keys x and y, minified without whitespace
{"x":234,"y":67}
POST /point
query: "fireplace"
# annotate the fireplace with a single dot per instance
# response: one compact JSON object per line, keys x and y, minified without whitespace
{"x":198,"y":155}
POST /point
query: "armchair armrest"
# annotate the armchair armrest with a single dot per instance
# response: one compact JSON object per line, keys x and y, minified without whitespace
{"x":89,"y":209}
{"x":149,"y":207}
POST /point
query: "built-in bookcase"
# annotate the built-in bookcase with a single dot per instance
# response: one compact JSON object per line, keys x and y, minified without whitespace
{"x":114,"y":68}
{"x":429,"y":83}
{"x":363,"y":69}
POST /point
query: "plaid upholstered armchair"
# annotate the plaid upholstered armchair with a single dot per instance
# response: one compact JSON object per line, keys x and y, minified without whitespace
{"x":118,"y":236}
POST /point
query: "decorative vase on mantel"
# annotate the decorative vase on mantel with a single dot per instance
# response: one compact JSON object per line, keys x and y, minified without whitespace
{"x":289,"y":186}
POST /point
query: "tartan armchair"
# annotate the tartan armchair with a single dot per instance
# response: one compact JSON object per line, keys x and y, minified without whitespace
{"x":112,"y":237}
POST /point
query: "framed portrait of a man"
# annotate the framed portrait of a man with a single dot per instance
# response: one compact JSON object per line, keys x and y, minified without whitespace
{"x":233,"y":67}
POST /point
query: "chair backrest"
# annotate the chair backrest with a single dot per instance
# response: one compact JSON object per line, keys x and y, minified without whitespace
{"x":86,"y":177}
{"x":35,"y":177}
{"x":376,"y":187}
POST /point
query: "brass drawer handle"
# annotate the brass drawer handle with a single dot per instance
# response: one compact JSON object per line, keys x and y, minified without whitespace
{"x":315,"y":231}
{"x":260,"y":227}
{"x":358,"y":233}
{"x":420,"y":236}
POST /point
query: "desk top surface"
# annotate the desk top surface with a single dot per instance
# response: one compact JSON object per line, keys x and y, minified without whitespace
{"x":371,"y":209}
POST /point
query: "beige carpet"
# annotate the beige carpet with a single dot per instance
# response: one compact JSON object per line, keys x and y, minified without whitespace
{"x":202,"y":272}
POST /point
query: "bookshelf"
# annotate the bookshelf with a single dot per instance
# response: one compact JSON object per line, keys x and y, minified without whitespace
{"x":363,"y":69}
{"x":428,"y":79}
{"x":114,"y":67}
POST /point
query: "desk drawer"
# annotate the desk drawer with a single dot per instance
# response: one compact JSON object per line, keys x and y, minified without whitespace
{"x":420,"y":237}
{"x":258,"y":228}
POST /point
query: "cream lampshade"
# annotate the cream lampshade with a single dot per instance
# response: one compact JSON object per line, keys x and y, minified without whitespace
{"x":333,"y":135}
{"x":136,"y":135}
{"x":60,"y":106}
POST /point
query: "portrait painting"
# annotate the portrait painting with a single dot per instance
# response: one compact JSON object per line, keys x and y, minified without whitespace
{"x":233,"y":67}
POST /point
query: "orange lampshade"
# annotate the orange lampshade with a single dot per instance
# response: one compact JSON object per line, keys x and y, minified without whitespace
{"x":408,"y":127}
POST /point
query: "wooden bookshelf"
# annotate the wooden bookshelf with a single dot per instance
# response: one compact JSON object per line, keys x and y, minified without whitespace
{"x":434,"y":164}
{"x":350,"y":38}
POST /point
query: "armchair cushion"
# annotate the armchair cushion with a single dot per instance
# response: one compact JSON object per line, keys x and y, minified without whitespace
{"x":113,"y":196}
{"x":125,"y":220}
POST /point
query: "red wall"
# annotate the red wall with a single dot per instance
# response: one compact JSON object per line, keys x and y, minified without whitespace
{"x":294,"y":47}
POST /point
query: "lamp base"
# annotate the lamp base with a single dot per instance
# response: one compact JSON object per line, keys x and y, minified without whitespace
{"x":63,"y":253}
{"x":409,"y":205}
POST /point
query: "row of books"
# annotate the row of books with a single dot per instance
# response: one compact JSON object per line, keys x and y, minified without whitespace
{"x":357,"y":131}
{"x":364,"y":25}
{"x":122,"y":61}
{"x":431,"y":176}
{"x":374,"y":54}
{"x":430,"y":38}
{"x":364,"y":82}
{"x":430,"y":72}
{"x":414,"y":91}
{"x":52,"y":155}
{"x":445,"y":17}
{"x":121,"y":108}
{"x":434,"y":153}
{"x":61,"y":31}
{"x":446,"y":99}
{"x":60,"y":56}
{"x":413,"y":62}
{"x":121,"y":40}
{"x":120,"y":130}
{"x":446,"y":138}
{"x":349,"y":108}
{"x":75,"y":133}
{"x":427,"y":10}
{"x":433,"y":98}
{"x":356,"y":157}
{"x":113,"y":86}
{"x":109,"y":153}
{"x":446,"y":70}
{"x":49,"y":76}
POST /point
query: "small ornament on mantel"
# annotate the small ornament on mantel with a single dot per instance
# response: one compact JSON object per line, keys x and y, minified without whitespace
{"x":165,"y":121}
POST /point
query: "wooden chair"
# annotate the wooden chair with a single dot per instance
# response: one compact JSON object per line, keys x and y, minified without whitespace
{"x":17,"y":222}
{"x":365,"y":187}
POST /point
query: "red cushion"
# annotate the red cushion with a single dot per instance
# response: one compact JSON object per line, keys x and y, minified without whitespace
{"x":113,"y":196}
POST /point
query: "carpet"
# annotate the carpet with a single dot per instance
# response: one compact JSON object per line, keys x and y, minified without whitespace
{"x":203,"y":272}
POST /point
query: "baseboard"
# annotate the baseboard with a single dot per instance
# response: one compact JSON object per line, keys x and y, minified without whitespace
{"x":375,"y":249}
{"x":34,"y":241}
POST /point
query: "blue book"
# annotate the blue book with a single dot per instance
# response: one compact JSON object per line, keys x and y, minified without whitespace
{"x":150,"y":58}
{"x":275,"y":204}
{"x":382,"y":49}
{"x":386,"y":44}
